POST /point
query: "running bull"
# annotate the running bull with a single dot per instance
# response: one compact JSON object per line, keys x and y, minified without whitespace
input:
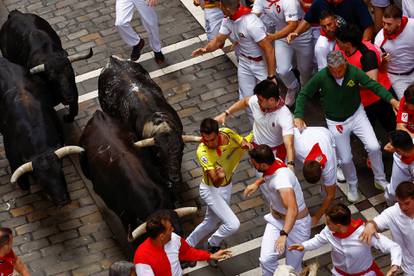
{"x":126,"y":91}
{"x":123,"y":174}
{"x":30,"y":41}
{"x":32,"y":134}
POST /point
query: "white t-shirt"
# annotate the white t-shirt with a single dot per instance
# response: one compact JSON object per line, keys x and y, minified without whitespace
{"x":401,"y":49}
{"x":269,"y":128}
{"x":402,"y":230}
{"x":304,"y":142}
{"x":280,"y":12}
{"x":322,"y":48}
{"x":247,"y":30}
{"x":282,"y":178}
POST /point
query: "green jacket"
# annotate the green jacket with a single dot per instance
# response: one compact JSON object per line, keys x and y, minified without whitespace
{"x":339,"y":102}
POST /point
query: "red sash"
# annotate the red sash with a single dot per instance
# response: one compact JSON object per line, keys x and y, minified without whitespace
{"x":281,"y":152}
{"x":317,"y":155}
{"x":242,"y":10}
{"x":277,"y":164}
{"x":404,"y":21}
{"x":374,"y":267}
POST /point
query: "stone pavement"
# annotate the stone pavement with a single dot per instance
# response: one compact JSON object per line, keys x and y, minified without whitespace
{"x":77,"y":239}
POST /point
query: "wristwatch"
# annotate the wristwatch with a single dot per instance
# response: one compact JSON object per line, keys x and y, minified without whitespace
{"x":271,"y":77}
{"x":291,"y":163}
{"x":283,"y":233}
{"x":227,"y":112}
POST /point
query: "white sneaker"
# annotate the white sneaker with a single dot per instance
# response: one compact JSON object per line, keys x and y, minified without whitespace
{"x":290,"y":97}
{"x":381,"y":184}
{"x":340,"y":175}
{"x":353,"y":194}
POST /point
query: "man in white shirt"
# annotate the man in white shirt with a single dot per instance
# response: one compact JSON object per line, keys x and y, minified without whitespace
{"x":349,"y":255}
{"x":396,"y":40}
{"x":288,"y":221}
{"x":315,"y":149}
{"x":285,"y":16}
{"x":273,"y":122}
{"x":398,"y":218}
{"x":401,"y":144}
{"x":256,"y":54}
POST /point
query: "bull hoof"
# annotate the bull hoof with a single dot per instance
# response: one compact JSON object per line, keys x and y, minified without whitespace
{"x":68,"y":118}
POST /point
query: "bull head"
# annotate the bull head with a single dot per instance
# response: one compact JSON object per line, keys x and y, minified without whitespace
{"x":140,"y":230}
{"x":287,"y":270}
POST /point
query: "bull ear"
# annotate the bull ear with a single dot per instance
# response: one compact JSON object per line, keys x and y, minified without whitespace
{"x":191,"y":138}
{"x":145,"y":143}
{"x":26,"y":167}
{"x":37,"y":69}
{"x":77,"y":57}
{"x":63,"y":151}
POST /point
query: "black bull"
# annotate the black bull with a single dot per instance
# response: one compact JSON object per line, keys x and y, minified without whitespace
{"x":31,"y":132}
{"x":126,"y":91}
{"x":124,"y":176}
{"x":30,"y":41}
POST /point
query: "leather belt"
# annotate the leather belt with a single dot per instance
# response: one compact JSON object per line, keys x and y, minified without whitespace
{"x":257,"y":59}
{"x":278,"y":215}
{"x":403,"y":74}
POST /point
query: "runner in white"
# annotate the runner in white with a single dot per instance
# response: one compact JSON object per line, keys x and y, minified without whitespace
{"x":349,"y":255}
{"x":399,"y":219}
{"x":396,"y":40}
{"x":213,"y":16}
{"x":285,"y":16}
{"x":288,"y":221}
{"x":256,"y":53}
{"x":315,"y":149}
{"x":273,"y":122}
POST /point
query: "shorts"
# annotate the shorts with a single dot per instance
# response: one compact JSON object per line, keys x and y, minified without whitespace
{"x":380,"y":3}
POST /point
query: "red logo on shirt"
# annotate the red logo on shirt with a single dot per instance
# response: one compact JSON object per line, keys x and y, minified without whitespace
{"x":339,"y":128}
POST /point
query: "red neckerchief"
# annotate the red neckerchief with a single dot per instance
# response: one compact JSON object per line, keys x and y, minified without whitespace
{"x":277,"y":164}
{"x":272,"y":2}
{"x":404,"y":21}
{"x":279,"y":105}
{"x":219,"y":142}
{"x":242,"y":10}
{"x":323,"y":33}
{"x":407,"y":159}
{"x":351,"y":229}
{"x":336,"y":4}
{"x":317,"y":155}
{"x":7,"y":262}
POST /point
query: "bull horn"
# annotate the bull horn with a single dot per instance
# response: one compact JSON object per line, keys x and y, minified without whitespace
{"x":37,"y":69}
{"x":77,"y":57}
{"x":191,"y":138}
{"x":26,"y":167}
{"x":181,"y":212}
{"x":145,"y":143}
{"x":63,"y":151}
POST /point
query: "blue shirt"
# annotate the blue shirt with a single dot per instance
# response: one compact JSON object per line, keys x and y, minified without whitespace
{"x":353,"y":11}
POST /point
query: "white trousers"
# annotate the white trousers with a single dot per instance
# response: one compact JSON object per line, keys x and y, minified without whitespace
{"x":125,"y":10}
{"x":400,"y":172}
{"x":358,"y":124}
{"x":269,"y":256}
{"x":301,"y":48}
{"x":249,"y":74}
{"x":400,"y":83}
{"x":213,"y":18}
{"x":218,"y":214}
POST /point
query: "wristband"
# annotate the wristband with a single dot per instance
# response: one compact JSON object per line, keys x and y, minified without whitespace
{"x":291,"y":163}
{"x":227,"y":113}
{"x":271,"y":77}
{"x":283,"y":233}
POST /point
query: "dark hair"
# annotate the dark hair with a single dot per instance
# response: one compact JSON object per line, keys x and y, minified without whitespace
{"x":155,"y":223}
{"x":209,"y":126}
{"x":326,"y":14}
{"x":400,"y":139}
{"x":392,"y":11}
{"x":349,"y":33}
{"x":262,"y":154}
{"x":312,"y":171}
{"x":231,"y":4}
{"x":267,"y":89}
{"x":409,"y":94}
{"x":405,"y":190}
{"x":5,"y":235}
{"x":121,"y":268}
{"x":339,"y":214}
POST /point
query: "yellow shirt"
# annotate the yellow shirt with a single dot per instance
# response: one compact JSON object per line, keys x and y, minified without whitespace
{"x":230,"y":157}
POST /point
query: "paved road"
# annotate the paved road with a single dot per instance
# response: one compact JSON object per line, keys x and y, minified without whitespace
{"x":76,"y":240}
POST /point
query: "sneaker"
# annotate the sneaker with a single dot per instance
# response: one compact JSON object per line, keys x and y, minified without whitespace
{"x":159,"y":57}
{"x":136,"y":50}
{"x":352,"y":194}
{"x":381,"y":184}
{"x":290,"y":97}
{"x":185,"y":265}
{"x":340,"y":175}
{"x":212,"y":250}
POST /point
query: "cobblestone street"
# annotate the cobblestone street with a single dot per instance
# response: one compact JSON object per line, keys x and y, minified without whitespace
{"x":84,"y":237}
